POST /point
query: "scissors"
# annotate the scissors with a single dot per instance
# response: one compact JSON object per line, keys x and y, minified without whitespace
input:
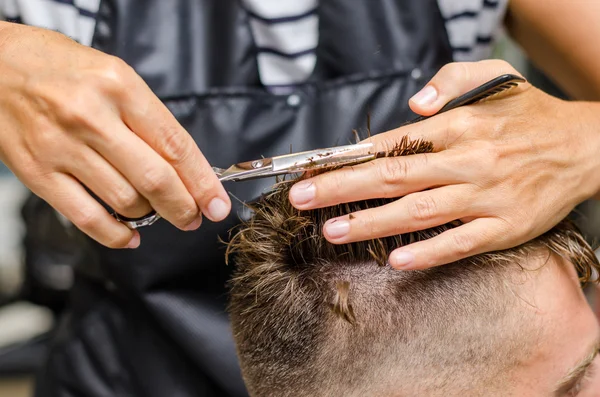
{"x":278,"y":165}
{"x":330,"y":157}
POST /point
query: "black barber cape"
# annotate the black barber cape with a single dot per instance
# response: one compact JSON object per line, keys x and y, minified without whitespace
{"x":151,"y":322}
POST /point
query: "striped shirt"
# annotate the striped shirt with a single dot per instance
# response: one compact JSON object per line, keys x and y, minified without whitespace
{"x":472,"y":26}
{"x":74,"y":18}
{"x":285,"y":31}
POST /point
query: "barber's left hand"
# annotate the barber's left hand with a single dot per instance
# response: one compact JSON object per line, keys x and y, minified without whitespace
{"x":509,"y":168}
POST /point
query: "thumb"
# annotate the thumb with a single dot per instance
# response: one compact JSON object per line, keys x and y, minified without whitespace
{"x":453,"y":80}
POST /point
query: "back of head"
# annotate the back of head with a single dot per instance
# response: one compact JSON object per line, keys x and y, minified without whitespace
{"x":315,"y":319}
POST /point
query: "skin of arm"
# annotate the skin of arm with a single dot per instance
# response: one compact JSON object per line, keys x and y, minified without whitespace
{"x":560,"y":37}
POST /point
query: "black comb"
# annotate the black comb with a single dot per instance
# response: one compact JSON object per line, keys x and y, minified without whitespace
{"x":484,"y":91}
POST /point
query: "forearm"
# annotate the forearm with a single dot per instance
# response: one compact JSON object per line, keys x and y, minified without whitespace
{"x":560,"y":37}
{"x":586,"y":126}
{"x":594,"y":108}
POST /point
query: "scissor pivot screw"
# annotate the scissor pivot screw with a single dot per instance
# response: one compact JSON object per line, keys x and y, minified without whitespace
{"x":257,"y":164}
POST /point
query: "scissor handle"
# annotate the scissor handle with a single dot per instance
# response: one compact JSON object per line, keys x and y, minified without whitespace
{"x":135,"y":223}
{"x":152,"y":217}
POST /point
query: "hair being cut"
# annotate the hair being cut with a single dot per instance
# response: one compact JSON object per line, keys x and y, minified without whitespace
{"x":312,"y":318}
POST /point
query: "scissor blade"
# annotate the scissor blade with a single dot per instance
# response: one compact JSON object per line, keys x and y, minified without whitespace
{"x":297,"y":162}
{"x":243,"y":171}
{"x":323,"y":158}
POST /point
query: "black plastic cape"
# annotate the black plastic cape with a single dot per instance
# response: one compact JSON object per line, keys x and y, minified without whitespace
{"x":151,"y":322}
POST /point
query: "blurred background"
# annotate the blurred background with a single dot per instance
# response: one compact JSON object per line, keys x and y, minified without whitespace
{"x":35,"y":272}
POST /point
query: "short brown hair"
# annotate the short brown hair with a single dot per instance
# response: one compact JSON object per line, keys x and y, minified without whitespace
{"x":315,"y":319}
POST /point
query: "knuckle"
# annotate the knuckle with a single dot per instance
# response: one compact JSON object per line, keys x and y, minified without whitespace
{"x":174,"y":146}
{"x":43,"y":149}
{"x":423,"y":209}
{"x":447,"y":70}
{"x":186,"y":216}
{"x":463,"y":244}
{"x":73,"y":102}
{"x":86,"y":219}
{"x":115,"y":74}
{"x":462,"y":120}
{"x":126,"y":199}
{"x":456,"y":72}
{"x":29,"y":167}
{"x":337,"y":190}
{"x":77,"y":110}
{"x":393,"y":171}
{"x":156,"y":180}
{"x":489,"y":160}
{"x":208,"y":188}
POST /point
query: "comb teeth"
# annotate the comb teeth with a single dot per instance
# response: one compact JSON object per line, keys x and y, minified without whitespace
{"x":493,"y":92}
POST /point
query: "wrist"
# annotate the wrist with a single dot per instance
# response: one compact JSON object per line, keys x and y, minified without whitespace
{"x":588,"y":130}
{"x":595,"y":178}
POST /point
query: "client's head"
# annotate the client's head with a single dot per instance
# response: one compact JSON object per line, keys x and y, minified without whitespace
{"x":315,"y":319}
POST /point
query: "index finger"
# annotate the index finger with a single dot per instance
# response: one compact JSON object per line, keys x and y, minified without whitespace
{"x":150,"y":119}
{"x":390,"y":176}
{"x":382,"y":178}
{"x":441,"y":131}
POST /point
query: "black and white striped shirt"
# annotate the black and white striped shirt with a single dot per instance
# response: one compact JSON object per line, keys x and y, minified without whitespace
{"x":472,"y":26}
{"x":75,"y":18}
{"x":285,"y":31}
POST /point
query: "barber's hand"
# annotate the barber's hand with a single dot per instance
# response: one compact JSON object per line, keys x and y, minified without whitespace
{"x":510,"y":168}
{"x":71,"y":116}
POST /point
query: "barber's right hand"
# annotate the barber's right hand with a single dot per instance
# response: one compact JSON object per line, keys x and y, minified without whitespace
{"x":71,"y":116}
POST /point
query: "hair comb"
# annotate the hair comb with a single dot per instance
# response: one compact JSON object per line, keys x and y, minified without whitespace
{"x":479,"y":94}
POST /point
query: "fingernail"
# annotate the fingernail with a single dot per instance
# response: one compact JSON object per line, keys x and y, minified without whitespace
{"x":303,"y":192}
{"x":134,"y":242}
{"x":217,"y":210}
{"x":337,"y":228}
{"x":401,"y":259}
{"x":194,"y":225}
{"x":426,"y":96}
